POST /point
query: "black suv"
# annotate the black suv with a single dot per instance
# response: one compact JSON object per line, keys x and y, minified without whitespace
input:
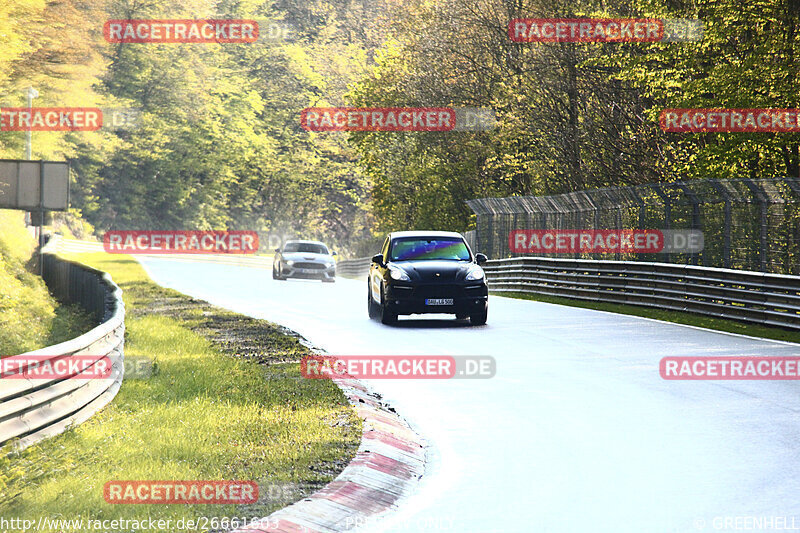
{"x":427,"y":272}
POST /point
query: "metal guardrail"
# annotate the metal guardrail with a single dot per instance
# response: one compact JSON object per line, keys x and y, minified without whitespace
{"x":34,"y":409}
{"x":353,"y":268}
{"x":754,"y":297}
{"x":749,"y":224}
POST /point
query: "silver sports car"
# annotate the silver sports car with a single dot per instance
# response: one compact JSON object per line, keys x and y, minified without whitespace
{"x":304,"y":259}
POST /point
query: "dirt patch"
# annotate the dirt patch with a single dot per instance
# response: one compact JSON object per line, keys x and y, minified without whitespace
{"x":233,"y":334}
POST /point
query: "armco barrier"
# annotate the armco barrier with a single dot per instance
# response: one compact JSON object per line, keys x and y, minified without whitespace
{"x":34,"y":409}
{"x":755,"y":297}
{"x":353,"y":268}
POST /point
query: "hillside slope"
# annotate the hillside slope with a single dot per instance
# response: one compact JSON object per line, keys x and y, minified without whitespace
{"x":30,"y":317}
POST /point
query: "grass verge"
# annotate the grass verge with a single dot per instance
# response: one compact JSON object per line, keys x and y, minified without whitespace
{"x":30,"y":318}
{"x":226,"y":402}
{"x":678,"y":317}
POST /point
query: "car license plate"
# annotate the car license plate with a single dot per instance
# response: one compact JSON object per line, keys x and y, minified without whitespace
{"x":307,"y":271}
{"x":439,"y":301}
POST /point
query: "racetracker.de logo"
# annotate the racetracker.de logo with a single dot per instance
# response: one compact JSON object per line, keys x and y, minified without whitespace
{"x":181,"y":492}
{"x":398,"y":367}
{"x":52,"y":367}
{"x":181,"y":242}
{"x":604,"y":30}
{"x":637,"y":241}
{"x":181,"y":31}
{"x":730,"y":368}
{"x":397,"y":119}
{"x":730,"y":120}
{"x":590,"y":30}
{"x":50,"y":119}
{"x":378,"y":119}
{"x":67,"y":118}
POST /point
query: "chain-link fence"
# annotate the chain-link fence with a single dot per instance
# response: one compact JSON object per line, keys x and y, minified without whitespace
{"x":747,"y":224}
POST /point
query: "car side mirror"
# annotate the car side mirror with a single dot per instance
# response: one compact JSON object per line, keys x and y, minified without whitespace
{"x":378,"y":258}
{"x":481,"y":258}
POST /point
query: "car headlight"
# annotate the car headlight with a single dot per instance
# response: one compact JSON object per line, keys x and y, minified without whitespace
{"x":475,"y":274}
{"x":399,"y":274}
{"x":330,"y":264}
{"x":289,"y":263}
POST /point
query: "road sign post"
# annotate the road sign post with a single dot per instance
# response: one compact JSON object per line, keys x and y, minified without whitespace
{"x":35,"y":186}
{"x":41,"y":213}
{"x":31,"y":94}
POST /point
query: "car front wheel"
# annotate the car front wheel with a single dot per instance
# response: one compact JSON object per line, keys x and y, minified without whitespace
{"x":372,"y":307}
{"x":387,"y":315}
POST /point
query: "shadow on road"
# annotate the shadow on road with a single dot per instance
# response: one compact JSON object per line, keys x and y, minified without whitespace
{"x":429,"y":323}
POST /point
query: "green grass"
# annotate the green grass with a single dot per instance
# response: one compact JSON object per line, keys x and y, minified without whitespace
{"x":678,"y":317}
{"x":207,"y":413}
{"x":30,"y":318}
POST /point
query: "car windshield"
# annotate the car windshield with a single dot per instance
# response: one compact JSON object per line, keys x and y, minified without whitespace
{"x":429,"y":248}
{"x":304,"y":248}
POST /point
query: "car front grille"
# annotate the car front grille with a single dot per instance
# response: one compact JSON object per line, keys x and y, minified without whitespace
{"x":438,"y":291}
{"x":317,"y":266}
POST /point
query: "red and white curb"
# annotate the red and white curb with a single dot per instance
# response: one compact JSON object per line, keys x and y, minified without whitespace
{"x":388,"y":465}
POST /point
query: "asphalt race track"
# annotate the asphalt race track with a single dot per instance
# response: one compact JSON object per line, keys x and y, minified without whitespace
{"x":576,"y":432}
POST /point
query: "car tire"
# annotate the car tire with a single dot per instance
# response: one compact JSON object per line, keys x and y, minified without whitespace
{"x":387,"y":315}
{"x":372,"y":307}
{"x":479,"y":319}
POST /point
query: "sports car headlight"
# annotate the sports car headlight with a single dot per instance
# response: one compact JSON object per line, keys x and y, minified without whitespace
{"x":475,"y":273}
{"x":289,"y":263}
{"x":399,"y":274}
{"x":330,"y":264}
